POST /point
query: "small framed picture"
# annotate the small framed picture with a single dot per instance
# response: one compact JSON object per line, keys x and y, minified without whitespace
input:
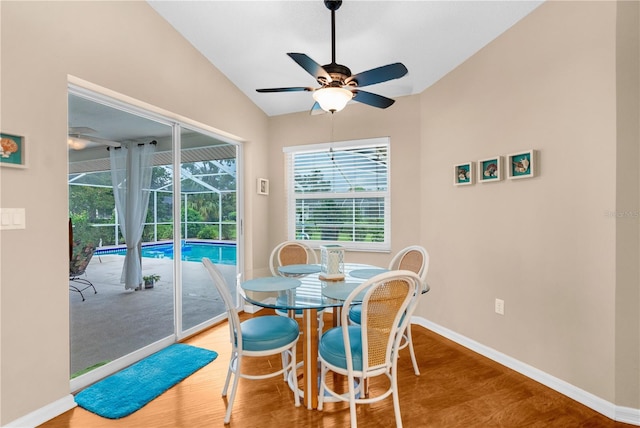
{"x":521,"y":165}
{"x":263,"y":186}
{"x":489,"y":170}
{"x":463,"y":174}
{"x":12,"y":151}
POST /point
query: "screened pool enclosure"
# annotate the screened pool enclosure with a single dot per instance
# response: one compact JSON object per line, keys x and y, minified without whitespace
{"x":207,"y":200}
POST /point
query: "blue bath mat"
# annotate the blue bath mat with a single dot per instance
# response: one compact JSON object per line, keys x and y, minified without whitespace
{"x":130,"y":389}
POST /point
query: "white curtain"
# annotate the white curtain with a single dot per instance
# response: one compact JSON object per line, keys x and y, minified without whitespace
{"x":131,"y":167}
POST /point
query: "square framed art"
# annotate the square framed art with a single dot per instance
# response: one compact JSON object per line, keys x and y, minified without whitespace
{"x":521,"y":164}
{"x":12,"y":150}
{"x":463,"y":174}
{"x":263,"y":186}
{"x":489,"y":170}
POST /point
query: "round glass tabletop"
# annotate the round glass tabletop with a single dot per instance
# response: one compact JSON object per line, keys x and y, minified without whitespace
{"x":367,"y":273}
{"x":340,"y":291}
{"x":303,"y":269}
{"x":271,"y":283}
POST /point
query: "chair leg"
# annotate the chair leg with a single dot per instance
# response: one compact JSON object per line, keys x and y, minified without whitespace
{"x":396,"y":398}
{"x":229,"y":371}
{"x":352,"y":401}
{"x":323,"y":372}
{"x":234,"y":388}
{"x":285,"y":364}
{"x":77,"y":290}
{"x":396,"y":408}
{"x":416,"y":370}
{"x":86,"y":282}
{"x":294,"y":377}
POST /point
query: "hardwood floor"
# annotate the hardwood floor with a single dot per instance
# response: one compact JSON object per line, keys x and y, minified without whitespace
{"x":456,"y":388}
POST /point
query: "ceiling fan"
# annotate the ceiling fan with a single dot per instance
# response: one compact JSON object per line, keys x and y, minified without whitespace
{"x":78,"y":138}
{"x":338,"y":86}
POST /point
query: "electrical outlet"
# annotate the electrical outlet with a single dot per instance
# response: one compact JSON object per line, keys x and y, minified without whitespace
{"x":500,"y":306}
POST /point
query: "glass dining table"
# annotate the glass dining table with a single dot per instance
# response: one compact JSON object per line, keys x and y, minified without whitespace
{"x":302,"y":289}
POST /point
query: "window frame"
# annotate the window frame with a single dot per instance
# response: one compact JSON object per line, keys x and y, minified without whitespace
{"x":291,"y":197}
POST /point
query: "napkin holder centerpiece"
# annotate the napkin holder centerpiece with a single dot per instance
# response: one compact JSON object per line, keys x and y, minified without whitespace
{"x":331,"y":263}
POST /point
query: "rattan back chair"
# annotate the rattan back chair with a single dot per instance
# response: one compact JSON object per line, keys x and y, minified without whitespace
{"x":291,"y":253}
{"x":415,"y":259}
{"x":368,"y":349}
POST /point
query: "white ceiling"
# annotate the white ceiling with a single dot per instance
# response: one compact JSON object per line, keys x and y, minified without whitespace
{"x":248,"y":40}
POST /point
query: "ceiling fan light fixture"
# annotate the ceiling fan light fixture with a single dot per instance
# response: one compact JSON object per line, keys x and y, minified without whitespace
{"x":332,"y":99}
{"x":76,"y":143}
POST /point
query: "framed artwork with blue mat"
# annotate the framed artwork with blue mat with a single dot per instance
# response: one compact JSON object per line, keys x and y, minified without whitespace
{"x":130,"y":389}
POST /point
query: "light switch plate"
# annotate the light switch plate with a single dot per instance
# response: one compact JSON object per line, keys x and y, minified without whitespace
{"x":12,"y":218}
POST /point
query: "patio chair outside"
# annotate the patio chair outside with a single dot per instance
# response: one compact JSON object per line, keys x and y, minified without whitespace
{"x":81,"y":254}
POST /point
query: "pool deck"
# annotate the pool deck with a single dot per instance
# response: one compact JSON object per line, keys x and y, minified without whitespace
{"x":115,"y":321}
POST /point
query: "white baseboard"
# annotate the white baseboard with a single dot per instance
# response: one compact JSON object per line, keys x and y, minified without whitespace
{"x":610,"y":410}
{"x":44,"y":414}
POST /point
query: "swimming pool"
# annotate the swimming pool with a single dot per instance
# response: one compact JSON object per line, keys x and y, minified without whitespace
{"x":220,"y":253}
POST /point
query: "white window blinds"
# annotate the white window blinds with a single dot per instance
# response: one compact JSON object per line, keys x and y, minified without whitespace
{"x":339,"y":193}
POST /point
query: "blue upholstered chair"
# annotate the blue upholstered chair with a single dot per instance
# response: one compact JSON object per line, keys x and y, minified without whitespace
{"x":368,"y":349}
{"x":415,"y":259}
{"x":256,"y":337}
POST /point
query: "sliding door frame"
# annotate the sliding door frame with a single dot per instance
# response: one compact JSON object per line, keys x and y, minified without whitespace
{"x":115,"y":100}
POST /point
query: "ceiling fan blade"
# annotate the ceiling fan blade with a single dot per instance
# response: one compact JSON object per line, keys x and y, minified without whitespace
{"x":379,"y":74}
{"x":293,"y":89}
{"x":312,"y":67}
{"x":316,"y":109}
{"x":374,"y":100}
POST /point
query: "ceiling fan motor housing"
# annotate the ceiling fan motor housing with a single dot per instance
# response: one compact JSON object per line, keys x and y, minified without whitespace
{"x":338,"y":72}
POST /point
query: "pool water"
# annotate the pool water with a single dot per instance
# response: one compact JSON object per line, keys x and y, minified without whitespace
{"x":191,"y":251}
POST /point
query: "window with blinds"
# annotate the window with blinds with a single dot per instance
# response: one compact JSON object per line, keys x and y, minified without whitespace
{"x":339,"y":193}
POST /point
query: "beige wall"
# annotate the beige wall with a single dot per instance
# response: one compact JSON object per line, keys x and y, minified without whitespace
{"x":544,"y":245}
{"x":628,"y":206}
{"x":128,"y":48}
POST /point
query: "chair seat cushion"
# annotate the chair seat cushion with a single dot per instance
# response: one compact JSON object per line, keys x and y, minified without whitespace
{"x":355,"y":314}
{"x":268,"y":332}
{"x":332,"y":348}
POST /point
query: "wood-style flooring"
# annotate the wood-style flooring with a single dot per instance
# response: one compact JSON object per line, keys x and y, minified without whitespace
{"x":457,"y":388}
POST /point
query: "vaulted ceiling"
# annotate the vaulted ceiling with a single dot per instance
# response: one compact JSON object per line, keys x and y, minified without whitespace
{"x":248,"y":40}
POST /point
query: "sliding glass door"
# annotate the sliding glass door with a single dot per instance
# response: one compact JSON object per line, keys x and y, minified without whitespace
{"x":208,"y":226}
{"x":191,"y":214}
